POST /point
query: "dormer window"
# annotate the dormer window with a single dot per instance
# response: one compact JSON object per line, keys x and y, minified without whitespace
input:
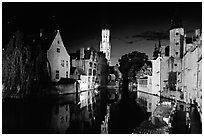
{"x":58,"y":50}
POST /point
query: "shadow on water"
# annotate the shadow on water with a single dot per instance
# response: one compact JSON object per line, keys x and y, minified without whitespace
{"x":126,"y":114}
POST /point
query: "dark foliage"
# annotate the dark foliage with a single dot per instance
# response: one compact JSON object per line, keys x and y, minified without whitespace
{"x":131,"y":63}
{"x":25,"y":66}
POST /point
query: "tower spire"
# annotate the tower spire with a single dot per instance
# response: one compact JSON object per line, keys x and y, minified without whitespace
{"x":105,"y":46}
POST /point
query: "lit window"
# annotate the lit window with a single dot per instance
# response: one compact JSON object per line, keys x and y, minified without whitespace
{"x":62,"y":63}
{"x":58,"y":50}
{"x":57,"y":74}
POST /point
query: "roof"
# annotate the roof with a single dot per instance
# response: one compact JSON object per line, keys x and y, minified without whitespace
{"x":47,"y":39}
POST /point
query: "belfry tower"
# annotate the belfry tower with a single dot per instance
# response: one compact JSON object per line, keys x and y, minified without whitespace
{"x":105,"y":46}
{"x":176,"y":34}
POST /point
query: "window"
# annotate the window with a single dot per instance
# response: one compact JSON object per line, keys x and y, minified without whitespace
{"x":67,"y":64}
{"x":66,"y":74}
{"x":177,"y":33}
{"x":175,"y":65}
{"x":62,"y":63}
{"x":90,"y":64}
{"x":94,"y":65}
{"x":94,"y":72}
{"x":57,"y":74}
{"x":176,"y":53}
{"x":90,"y":72}
{"x":58,"y":50}
{"x":177,"y":43}
{"x":58,"y":41}
{"x":66,"y":118}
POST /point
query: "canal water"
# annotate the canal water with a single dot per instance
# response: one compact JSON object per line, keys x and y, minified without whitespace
{"x":126,"y":114}
{"x":45,"y":115}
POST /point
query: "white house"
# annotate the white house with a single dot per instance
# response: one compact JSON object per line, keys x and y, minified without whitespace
{"x":156,"y":76}
{"x":59,"y":59}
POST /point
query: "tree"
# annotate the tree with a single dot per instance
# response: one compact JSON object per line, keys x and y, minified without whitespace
{"x":24,"y":67}
{"x":129,"y":65}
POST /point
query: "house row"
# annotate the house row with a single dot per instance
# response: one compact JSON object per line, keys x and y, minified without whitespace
{"x":76,"y":77}
{"x":176,"y":71}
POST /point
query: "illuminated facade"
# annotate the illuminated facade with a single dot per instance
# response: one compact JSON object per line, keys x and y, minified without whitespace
{"x":59,"y":59}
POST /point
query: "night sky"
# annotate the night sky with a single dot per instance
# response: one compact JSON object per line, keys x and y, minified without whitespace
{"x":133,"y":26}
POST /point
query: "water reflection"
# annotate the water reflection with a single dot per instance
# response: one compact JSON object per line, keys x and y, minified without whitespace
{"x":54,"y":114}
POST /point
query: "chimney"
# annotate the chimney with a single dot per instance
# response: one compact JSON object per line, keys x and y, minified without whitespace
{"x":81,"y":53}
